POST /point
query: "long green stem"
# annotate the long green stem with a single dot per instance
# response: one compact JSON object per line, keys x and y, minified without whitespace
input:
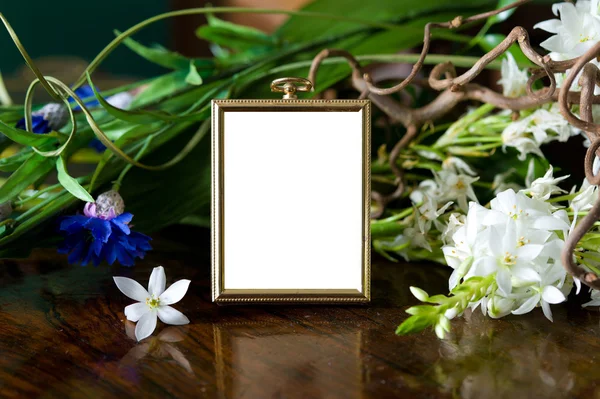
{"x":138,"y":156}
{"x":43,"y":191}
{"x":5,"y":99}
{"x":400,"y":215}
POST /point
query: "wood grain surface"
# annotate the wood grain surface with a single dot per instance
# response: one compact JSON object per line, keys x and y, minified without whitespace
{"x":63,"y":335}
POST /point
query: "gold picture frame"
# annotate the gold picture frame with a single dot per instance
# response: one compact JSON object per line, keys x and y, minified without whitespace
{"x":224,"y":109}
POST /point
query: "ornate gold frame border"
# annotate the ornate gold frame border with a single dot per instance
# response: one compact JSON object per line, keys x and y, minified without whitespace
{"x":222,"y":296}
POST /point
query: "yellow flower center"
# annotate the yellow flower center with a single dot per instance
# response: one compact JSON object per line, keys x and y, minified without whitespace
{"x":460,"y":185}
{"x":509,"y":259}
{"x":522,"y":241}
{"x":516,"y":213}
{"x":153,"y":302}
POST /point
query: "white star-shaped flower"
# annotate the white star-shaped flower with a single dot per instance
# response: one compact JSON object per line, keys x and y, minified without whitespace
{"x":577,"y":30}
{"x":153,"y":303}
{"x":514,"y":80}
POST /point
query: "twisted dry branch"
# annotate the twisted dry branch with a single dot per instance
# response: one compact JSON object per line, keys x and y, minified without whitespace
{"x":456,"y":89}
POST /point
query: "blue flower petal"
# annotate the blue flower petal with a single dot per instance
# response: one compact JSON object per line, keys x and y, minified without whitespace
{"x":100,"y":228}
{"x":39,"y":125}
{"x":91,"y":239}
{"x":121,"y":222}
{"x":123,"y":256}
{"x":73,"y":224}
{"x":96,"y":247}
{"x":86,"y":94}
{"x":109,"y":252}
{"x":75,"y":256}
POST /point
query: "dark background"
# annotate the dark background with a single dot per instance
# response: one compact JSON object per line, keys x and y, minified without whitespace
{"x":63,"y":36}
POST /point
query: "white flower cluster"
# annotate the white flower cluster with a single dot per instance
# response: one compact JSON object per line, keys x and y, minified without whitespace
{"x":542,"y":126}
{"x":453,"y":183}
{"x":517,"y":242}
{"x":575,"y":31}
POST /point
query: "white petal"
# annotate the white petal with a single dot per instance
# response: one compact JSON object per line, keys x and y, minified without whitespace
{"x":577,"y":284}
{"x":454,"y":279}
{"x":175,"y":292}
{"x":547,"y":311}
{"x":570,"y":19}
{"x":135,"y":311}
{"x":158,"y":281}
{"x":169,"y":315}
{"x":503,"y":279}
{"x":485,"y":266}
{"x":526,"y":274}
{"x":529,"y":252}
{"x":554,"y":43}
{"x":549,"y":223}
{"x":131,"y":288}
{"x":550,"y":25}
{"x":552,"y":294}
{"x":145,"y":327}
{"x":528,"y":305}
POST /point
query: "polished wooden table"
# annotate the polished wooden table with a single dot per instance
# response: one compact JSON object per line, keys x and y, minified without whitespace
{"x":63,"y":335}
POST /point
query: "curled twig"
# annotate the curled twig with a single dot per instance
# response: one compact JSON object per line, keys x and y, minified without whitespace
{"x":453,"y":24}
{"x":586,"y":223}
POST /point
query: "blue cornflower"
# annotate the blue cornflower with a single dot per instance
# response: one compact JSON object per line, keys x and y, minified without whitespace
{"x":52,"y":116}
{"x":86,"y":93}
{"x":100,"y":235}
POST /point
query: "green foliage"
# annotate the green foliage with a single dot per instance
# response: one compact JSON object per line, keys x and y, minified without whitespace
{"x":444,"y":307}
{"x":24,"y":137}
{"x":69,"y":183}
{"x":297,"y":29}
{"x":158,"y":126}
{"x":31,"y":170}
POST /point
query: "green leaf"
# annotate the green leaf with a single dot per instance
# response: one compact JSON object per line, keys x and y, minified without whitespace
{"x":69,"y":183}
{"x":159,"y":56}
{"x":165,"y":58}
{"x":233,"y":36}
{"x":24,"y":137}
{"x":193,"y":77}
{"x":503,"y":16}
{"x":12,"y":163}
{"x":145,"y":116}
{"x":489,"y":41}
{"x":165,"y":86}
{"x":420,"y":310}
{"x":415,"y":324}
{"x":304,"y":29}
{"x":33,"y":169}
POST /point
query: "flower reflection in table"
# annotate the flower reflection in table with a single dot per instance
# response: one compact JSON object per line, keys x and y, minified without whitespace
{"x":159,"y":347}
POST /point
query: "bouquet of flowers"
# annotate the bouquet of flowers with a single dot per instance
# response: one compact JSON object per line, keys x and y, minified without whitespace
{"x":460,"y":176}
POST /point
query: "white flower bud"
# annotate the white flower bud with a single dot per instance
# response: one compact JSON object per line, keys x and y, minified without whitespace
{"x":419,"y":294}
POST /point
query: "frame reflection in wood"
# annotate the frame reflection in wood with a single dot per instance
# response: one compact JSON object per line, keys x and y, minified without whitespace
{"x":291,"y":201}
